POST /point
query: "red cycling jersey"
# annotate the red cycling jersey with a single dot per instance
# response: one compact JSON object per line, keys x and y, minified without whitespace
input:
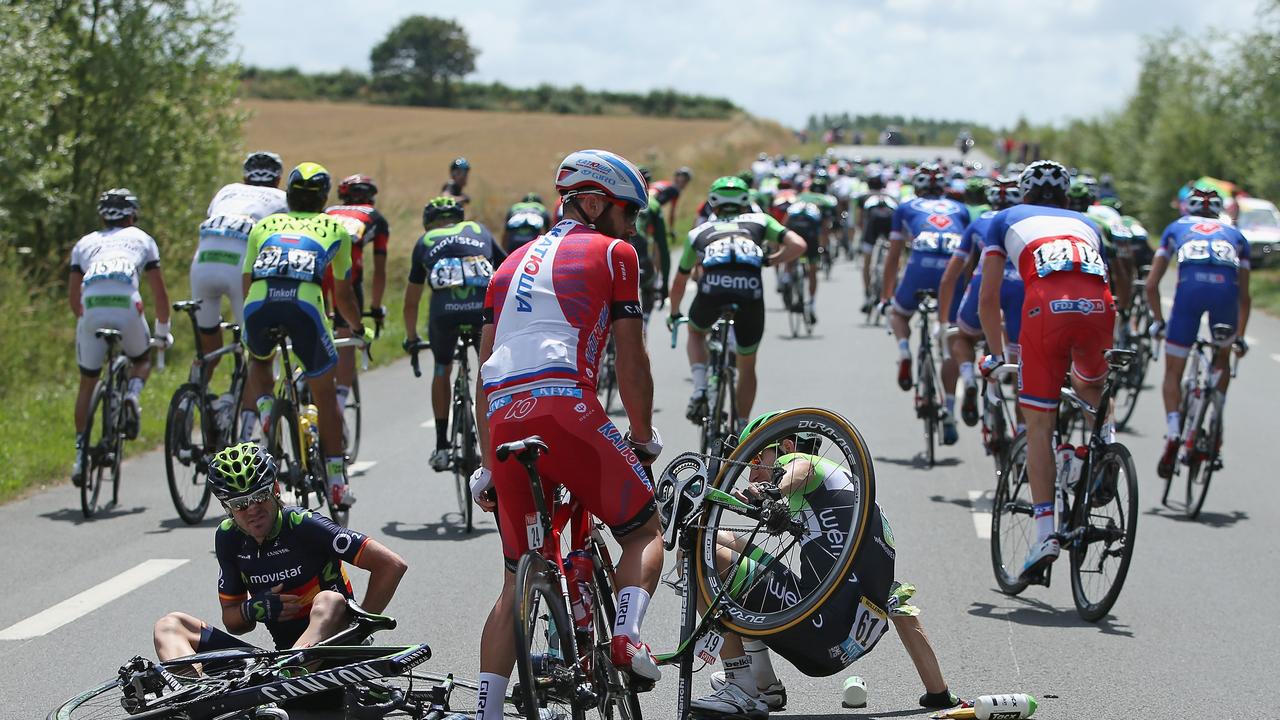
{"x":366,"y":226}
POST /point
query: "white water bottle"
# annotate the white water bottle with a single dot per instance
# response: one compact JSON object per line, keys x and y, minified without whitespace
{"x":1013,"y":706}
{"x":1064,"y":457}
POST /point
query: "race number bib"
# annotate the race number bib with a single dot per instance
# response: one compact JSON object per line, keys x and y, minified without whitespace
{"x":869,"y":624}
{"x":470,"y":271}
{"x":735,"y":249}
{"x":236,"y":227}
{"x":274,"y":261}
{"x":354,"y":227}
{"x":1067,"y":253}
{"x":935,"y":242}
{"x":1216,"y":252}
{"x":122,"y":269}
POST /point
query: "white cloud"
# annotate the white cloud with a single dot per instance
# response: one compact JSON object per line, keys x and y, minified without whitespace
{"x":986,"y":60}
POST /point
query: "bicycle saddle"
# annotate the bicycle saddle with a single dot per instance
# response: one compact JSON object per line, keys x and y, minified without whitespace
{"x":187,"y":305}
{"x":926,"y":293}
{"x":1120,"y":358}
{"x":369,"y":620}
{"x":107,"y":334}
{"x":525,"y":450}
{"x":1221,"y":333}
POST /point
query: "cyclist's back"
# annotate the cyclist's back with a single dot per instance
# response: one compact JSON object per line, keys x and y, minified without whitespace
{"x":525,"y":221}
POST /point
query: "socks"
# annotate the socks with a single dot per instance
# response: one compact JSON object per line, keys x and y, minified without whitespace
{"x":904,"y":349}
{"x":761,"y":663}
{"x":442,"y":432}
{"x":699,"y":372}
{"x":1174,"y":429}
{"x":135,"y":386}
{"x":632,"y":603}
{"x":334,"y":467}
{"x":966,"y":373}
{"x":949,"y":402}
{"x":1044,"y":520}
{"x":493,"y":690}
{"x":738,"y":672}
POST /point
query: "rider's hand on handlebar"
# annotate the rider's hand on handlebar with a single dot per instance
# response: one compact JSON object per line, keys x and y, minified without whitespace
{"x":1241,"y":347}
{"x":367,"y":334}
{"x":409,"y":343}
{"x":481,"y":482}
{"x":1156,"y":329}
{"x":989,"y":363}
{"x":671,"y":320}
{"x":885,"y":305}
{"x":379,"y":315}
{"x":163,"y":335}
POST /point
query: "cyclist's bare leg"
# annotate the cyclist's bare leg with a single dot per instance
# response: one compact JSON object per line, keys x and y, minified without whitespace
{"x":696,"y":346}
{"x":328,"y":618}
{"x":914,"y":639}
{"x":441,"y":391}
{"x":325,"y":394}
{"x":867,"y":253}
{"x":1221,"y":363}
{"x":1173,"y":367}
{"x":177,"y":635}
{"x":950,"y":374}
{"x":497,"y":640}
{"x":1040,"y":466}
{"x":962,"y":348}
{"x":210,"y":341}
{"x":746,"y":365}
{"x":257,"y":383}
{"x":83,"y":396}
{"x":900,"y":324}
{"x":641,"y":562}
{"x":346,"y":359}
{"x":811,"y":272}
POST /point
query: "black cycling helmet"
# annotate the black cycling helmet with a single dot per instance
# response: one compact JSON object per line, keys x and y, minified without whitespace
{"x":117,"y":204}
{"x":685,"y":171}
{"x":442,"y":208}
{"x":875,"y":182}
{"x":1045,"y":182}
{"x":262,"y":167}
{"x":460,"y":164}
{"x":308,"y":187}
{"x":241,"y":470}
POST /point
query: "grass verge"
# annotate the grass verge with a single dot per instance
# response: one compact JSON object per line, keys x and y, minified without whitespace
{"x":1264,"y":288}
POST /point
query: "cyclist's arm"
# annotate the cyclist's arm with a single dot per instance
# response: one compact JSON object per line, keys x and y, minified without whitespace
{"x":891,"y":259}
{"x":381,"y":239}
{"x":792,"y":247}
{"x":482,"y":400}
{"x":663,"y":249}
{"x":75,"y":279}
{"x":385,"y":570}
{"x":635,"y":379}
{"x":688,"y":259}
{"x":989,"y":301}
{"x":1246,"y":300}
{"x":344,"y":296}
{"x":947,"y":286}
{"x":233,"y":619}
{"x":412,"y":298}
{"x":159,"y":293}
{"x":1159,"y":264}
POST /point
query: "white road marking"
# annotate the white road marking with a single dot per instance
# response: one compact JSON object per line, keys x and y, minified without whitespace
{"x":1275,"y":356}
{"x":86,"y":602}
{"x":980,"y":511}
{"x":428,"y":423}
{"x":360,"y":468}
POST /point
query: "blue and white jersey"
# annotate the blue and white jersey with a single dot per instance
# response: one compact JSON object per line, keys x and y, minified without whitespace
{"x":971,"y":244}
{"x":931,"y":225}
{"x":1206,"y":250}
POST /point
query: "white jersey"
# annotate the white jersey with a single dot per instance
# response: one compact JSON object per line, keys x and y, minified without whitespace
{"x":113,"y":259}
{"x":235,"y":209}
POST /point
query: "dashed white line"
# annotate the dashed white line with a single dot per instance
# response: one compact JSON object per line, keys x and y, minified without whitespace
{"x":360,"y":468}
{"x":82,"y":604}
{"x":980,"y":511}
{"x":428,"y":423}
{"x":1275,"y":356}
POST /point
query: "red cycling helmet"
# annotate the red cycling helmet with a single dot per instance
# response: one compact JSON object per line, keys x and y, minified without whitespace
{"x":357,"y":188}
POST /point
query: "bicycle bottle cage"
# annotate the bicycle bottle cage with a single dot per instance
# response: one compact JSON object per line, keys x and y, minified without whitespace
{"x":679,"y":493}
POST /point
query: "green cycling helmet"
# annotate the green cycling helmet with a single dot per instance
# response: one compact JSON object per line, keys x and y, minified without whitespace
{"x":729,"y":190}
{"x":1081,"y":195}
{"x":976,"y":184}
{"x":241,"y":470}
{"x":441,"y":208}
{"x":756,"y":423}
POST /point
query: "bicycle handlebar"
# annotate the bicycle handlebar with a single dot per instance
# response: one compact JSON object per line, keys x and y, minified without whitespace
{"x":413,"y":351}
{"x":675,"y":329}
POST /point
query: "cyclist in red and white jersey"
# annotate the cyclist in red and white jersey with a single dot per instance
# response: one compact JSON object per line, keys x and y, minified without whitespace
{"x":1067,"y":320}
{"x":549,"y":311}
{"x":667,"y":192}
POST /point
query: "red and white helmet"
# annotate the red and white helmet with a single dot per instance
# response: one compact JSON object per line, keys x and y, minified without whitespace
{"x":603,"y":173}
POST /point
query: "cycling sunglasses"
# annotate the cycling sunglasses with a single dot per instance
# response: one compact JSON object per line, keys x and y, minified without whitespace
{"x":241,"y":503}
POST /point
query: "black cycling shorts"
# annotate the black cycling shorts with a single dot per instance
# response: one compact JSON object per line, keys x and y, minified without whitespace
{"x":748,"y":321}
{"x":305,"y":325}
{"x":443,"y":330}
{"x":211,"y":638}
{"x":875,"y":229}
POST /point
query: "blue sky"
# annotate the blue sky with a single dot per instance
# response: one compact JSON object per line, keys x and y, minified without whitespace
{"x":984,"y":60}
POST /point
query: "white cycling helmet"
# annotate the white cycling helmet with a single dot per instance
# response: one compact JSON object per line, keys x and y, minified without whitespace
{"x":602,"y":172}
{"x":1044,"y":174}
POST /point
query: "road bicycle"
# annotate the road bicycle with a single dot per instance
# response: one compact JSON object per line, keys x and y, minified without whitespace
{"x":101,"y":444}
{"x":1132,"y":333}
{"x":464,"y":448}
{"x":564,"y":610}
{"x":1200,"y":435}
{"x":360,"y":680}
{"x":795,"y":297}
{"x":717,"y":416}
{"x":928,"y":400}
{"x":352,"y":414}
{"x":999,"y":421}
{"x":200,"y":423}
{"x":758,"y":562}
{"x":1097,"y":517}
{"x":873,"y":312}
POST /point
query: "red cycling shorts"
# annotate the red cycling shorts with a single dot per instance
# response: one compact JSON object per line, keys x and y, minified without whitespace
{"x":587,"y":455}
{"x":1068,"y":321}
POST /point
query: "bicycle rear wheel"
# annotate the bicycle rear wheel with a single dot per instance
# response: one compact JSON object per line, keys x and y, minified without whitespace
{"x":351,"y":422}
{"x":1133,"y":381}
{"x":1202,"y":458}
{"x":795,"y":309}
{"x":928,"y":408}
{"x":462,"y":441}
{"x":613,"y":688}
{"x":1013,"y":527}
{"x":1105,"y":517}
{"x":752,"y":565}
{"x":185,"y":447}
{"x":95,"y":444}
{"x":545,"y":646}
{"x":608,"y":385}
{"x":285,"y":445}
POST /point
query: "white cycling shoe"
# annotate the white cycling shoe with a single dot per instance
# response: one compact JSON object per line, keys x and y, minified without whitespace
{"x":730,"y":702}
{"x":440,"y":459}
{"x":1041,"y":557}
{"x":774,"y":696}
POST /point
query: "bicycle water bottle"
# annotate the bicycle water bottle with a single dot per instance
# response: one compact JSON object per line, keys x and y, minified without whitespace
{"x":310,"y":425}
{"x":578,"y":569}
{"x":1013,"y":706}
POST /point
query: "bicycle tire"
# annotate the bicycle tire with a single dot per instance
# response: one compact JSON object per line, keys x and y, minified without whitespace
{"x":461,"y":441}
{"x":1204,"y":454}
{"x":608,"y":387}
{"x":352,"y":421}
{"x":929,"y":409}
{"x":1011,"y":540}
{"x":91,"y":450}
{"x":186,"y":416}
{"x":551,"y":683}
{"x":1101,"y":492}
{"x":855,"y":459}
{"x":618,"y":691}
{"x":283,"y":442}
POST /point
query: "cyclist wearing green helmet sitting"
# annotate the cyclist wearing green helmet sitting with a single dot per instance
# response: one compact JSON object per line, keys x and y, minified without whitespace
{"x":280,"y":566}
{"x":730,"y":252}
{"x":816,"y":486}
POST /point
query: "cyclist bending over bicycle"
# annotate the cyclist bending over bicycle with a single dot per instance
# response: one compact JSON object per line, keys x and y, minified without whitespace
{"x":1213,"y":277}
{"x":457,"y":257}
{"x":730,"y":252}
{"x":548,"y":312}
{"x":102,"y":289}
{"x":279,"y":566}
{"x":284,"y":267}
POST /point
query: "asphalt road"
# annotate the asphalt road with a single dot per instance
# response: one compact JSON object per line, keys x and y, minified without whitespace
{"x":1194,"y":632}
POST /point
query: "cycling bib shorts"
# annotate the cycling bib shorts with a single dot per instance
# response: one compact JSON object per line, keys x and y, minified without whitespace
{"x":1011,"y":297}
{"x":1192,"y":299}
{"x":1067,"y":323}
{"x":121,"y":312}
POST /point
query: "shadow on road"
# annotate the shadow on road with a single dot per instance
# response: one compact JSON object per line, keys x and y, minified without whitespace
{"x":75,"y":517}
{"x":1208,"y":519}
{"x":961,"y":502}
{"x":171,"y":524}
{"x":1037,"y":613}
{"x":449,"y":529}
{"x":918,"y":462}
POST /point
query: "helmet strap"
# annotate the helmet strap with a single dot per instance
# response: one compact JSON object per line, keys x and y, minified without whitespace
{"x":591,"y":221}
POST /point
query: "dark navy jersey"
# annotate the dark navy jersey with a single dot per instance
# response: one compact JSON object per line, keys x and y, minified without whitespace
{"x":302,"y":556}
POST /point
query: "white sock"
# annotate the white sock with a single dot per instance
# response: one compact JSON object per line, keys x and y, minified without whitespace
{"x":737,"y":671}
{"x":632,"y":602}
{"x":1044,"y":520}
{"x":247,"y":420}
{"x":490,"y":696}
{"x":699,"y":372}
{"x":949,"y":402}
{"x":966,"y":373}
{"x":1174,"y":420}
{"x":135,"y":386}
{"x":333,"y":467}
{"x":761,"y":663}
{"x":904,"y":348}
{"x":343,"y":392}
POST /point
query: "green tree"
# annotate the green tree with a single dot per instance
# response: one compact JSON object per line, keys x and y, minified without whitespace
{"x":420,"y":59}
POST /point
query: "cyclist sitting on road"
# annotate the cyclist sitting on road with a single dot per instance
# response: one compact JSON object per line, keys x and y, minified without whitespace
{"x":458,"y":171}
{"x":934,"y":226}
{"x":367,"y":227}
{"x":284,"y":267}
{"x":525,"y":221}
{"x":549,"y":311}
{"x":815,"y":486}
{"x":102,"y":289}
{"x":215,"y":269}
{"x":1004,"y":193}
{"x":874,"y":210}
{"x":1213,"y":278}
{"x":730,"y":253}
{"x":280,"y":566}
{"x":457,"y":256}
{"x":1067,"y":321}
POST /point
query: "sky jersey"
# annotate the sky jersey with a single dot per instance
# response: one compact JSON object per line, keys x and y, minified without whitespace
{"x":303,"y":554}
{"x":234,"y":210}
{"x":113,"y":259}
{"x":525,"y":221}
{"x":289,"y":254}
{"x":457,"y":262}
{"x":932,"y":225}
{"x":367,"y":227}
{"x":552,"y":303}
{"x":971,"y":243}
{"x":1042,"y":240}
{"x":1206,"y":250}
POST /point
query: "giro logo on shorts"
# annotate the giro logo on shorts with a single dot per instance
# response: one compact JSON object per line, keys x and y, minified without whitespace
{"x":1083,"y":306}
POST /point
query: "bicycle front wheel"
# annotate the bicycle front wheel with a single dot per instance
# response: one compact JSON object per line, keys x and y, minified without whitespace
{"x":928,"y":408}
{"x":1133,"y":381}
{"x":772,"y":569}
{"x":1013,"y":527}
{"x":545,"y":646}
{"x":795,"y":309}
{"x":185,"y":446}
{"x":464,"y":460}
{"x":1104,"y":526}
